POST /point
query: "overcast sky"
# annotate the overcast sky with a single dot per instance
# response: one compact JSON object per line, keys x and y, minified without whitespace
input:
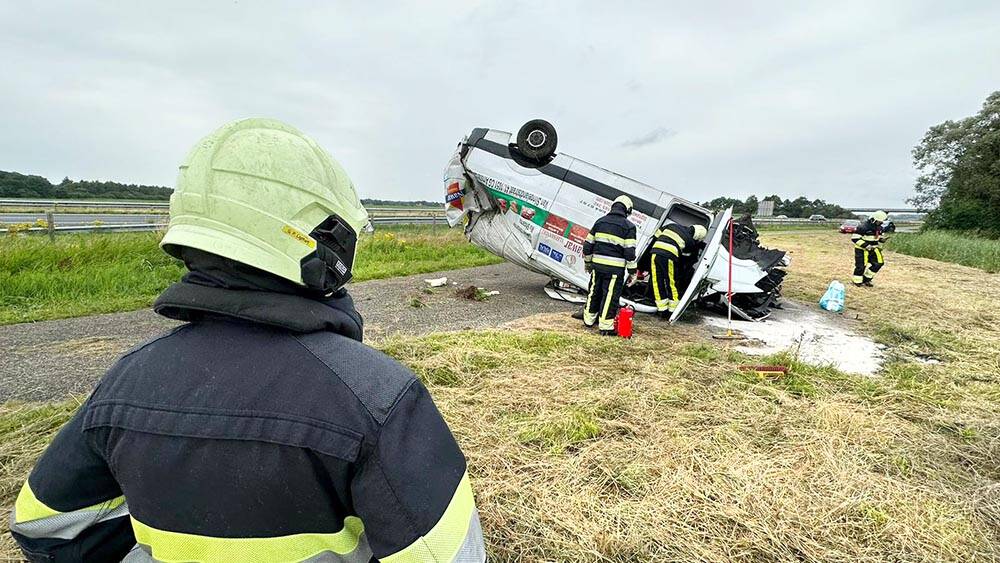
{"x":734,"y":98}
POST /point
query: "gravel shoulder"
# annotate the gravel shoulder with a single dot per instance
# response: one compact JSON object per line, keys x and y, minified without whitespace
{"x":53,"y":359}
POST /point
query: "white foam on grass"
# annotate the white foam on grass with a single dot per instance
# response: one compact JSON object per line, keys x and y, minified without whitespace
{"x":815,"y":336}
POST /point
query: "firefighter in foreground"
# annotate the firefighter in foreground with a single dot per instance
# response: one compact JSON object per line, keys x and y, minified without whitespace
{"x":672,"y":242}
{"x":262,"y":429}
{"x":868,"y":258}
{"x":609,"y":256}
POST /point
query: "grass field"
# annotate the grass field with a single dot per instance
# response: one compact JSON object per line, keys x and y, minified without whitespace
{"x":960,"y":248}
{"x":87,"y":274}
{"x":583,"y":448}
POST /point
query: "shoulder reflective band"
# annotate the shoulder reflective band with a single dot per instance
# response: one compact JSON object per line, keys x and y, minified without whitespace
{"x":672,"y":235}
{"x":456,"y":536}
{"x":669,"y":247}
{"x":34,"y":519}
{"x":346,"y":545}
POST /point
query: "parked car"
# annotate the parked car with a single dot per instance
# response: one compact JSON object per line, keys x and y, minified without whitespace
{"x":493,"y":176}
{"x":849,"y":226}
{"x":817,"y":218}
{"x":781,"y":216}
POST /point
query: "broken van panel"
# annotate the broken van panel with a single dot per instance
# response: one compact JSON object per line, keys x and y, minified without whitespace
{"x":538,"y":212}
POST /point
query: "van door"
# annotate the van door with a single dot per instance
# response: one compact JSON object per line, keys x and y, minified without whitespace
{"x":709,"y":255}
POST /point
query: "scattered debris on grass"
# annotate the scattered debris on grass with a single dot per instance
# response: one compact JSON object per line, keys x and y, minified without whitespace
{"x":473,"y":293}
{"x":437,"y":282}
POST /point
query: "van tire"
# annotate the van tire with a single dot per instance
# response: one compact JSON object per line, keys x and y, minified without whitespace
{"x":537,"y":140}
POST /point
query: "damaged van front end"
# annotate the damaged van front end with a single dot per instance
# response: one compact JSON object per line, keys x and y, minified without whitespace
{"x":536,"y":211}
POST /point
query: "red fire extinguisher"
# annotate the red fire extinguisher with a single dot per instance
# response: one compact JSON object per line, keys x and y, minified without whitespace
{"x":623,"y":321}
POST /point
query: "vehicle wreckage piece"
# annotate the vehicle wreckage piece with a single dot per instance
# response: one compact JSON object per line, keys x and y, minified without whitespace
{"x":535,"y":208}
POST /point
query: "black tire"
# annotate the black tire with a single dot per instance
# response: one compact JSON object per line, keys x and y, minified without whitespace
{"x":537,"y":140}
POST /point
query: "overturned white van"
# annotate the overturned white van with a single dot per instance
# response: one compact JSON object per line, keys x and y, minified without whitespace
{"x":524,"y":202}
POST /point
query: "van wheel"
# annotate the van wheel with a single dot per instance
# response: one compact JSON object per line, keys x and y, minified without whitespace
{"x":537,"y":140}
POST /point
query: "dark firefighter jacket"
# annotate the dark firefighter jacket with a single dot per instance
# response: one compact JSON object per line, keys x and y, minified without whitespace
{"x":867,"y":235}
{"x":260,"y":430}
{"x":610,"y":246}
{"x":674,"y":240}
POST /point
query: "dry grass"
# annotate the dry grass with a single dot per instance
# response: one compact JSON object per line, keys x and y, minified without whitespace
{"x":584,"y":448}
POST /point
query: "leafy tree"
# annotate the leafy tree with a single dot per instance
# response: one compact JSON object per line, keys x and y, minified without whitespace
{"x":799,"y":207}
{"x":959,"y":164}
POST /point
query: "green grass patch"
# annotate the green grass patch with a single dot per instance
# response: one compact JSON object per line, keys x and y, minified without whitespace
{"x":103,"y":273}
{"x":560,"y":431}
{"x":961,"y":248}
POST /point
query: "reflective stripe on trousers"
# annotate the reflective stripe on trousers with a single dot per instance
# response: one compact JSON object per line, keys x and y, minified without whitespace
{"x":606,"y":323}
{"x":590,"y":318}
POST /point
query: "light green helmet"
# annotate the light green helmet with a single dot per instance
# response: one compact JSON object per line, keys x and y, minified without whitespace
{"x":261,"y":193}
{"x":624,"y":200}
{"x":880,"y":216}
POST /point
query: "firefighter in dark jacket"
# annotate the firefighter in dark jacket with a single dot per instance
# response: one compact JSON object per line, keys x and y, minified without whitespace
{"x":609,"y":256}
{"x":261,"y":429}
{"x":868,"y":258}
{"x":672,"y":241}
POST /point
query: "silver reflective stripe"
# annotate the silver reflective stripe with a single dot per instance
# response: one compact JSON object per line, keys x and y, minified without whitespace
{"x":362,"y":554}
{"x":608,"y":260}
{"x":473,"y":548}
{"x":65,"y":526}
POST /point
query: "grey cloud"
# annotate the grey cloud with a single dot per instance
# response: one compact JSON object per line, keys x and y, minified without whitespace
{"x":822,"y":100}
{"x":653,"y":137}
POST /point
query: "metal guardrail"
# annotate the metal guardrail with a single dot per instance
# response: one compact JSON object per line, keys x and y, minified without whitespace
{"x":55,"y":204}
{"x":139,"y":227}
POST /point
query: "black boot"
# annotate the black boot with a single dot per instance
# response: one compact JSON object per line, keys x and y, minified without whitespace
{"x":868,"y":283}
{"x":611,"y":332}
{"x":578,"y":315}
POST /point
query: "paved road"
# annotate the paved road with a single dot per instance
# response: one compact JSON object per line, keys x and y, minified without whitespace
{"x":53,"y":359}
{"x":67,"y":219}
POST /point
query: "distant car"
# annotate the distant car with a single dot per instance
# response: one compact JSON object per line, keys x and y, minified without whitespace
{"x":817,"y":218}
{"x":781,"y":216}
{"x":849,"y":226}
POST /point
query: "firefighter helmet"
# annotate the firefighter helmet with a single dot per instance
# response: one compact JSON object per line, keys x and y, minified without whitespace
{"x":261,"y":193}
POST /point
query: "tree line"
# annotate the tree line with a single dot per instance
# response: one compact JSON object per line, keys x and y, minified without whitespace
{"x":17,"y":185}
{"x":799,"y":207}
{"x":14,"y":184}
{"x":959,"y":165}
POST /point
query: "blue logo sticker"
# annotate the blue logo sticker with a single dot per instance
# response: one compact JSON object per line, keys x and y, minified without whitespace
{"x":544,"y":249}
{"x":556,"y":255}
{"x":452,"y":197}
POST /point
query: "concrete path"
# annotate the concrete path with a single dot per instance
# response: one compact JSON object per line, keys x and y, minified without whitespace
{"x":53,"y":359}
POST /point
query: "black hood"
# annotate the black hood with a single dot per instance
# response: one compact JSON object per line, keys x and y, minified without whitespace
{"x":618,"y":208}
{"x":218,"y":287}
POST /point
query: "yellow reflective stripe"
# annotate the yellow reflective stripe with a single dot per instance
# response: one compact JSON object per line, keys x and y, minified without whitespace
{"x":878,"y":256}
{"x":676,"y":237}
{"x":858,"y":279}
{"x":605,"y":237}
{"x":673,"y":284}
{"x":870,"y":238}
{"x":661,"y":245}
{"x":28,"y":507}
{"x":608,"y":261}
{"x":588,"y":317}
{"x":656,"y":284}
{"x":175,"y":546}
{"x":606,"y":323}
{"x":590,"y":237}
{"x":447,"y":536}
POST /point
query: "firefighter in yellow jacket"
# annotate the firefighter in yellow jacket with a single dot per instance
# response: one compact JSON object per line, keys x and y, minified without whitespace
{"x":672,"y":241}
{"x":868,"y":257}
